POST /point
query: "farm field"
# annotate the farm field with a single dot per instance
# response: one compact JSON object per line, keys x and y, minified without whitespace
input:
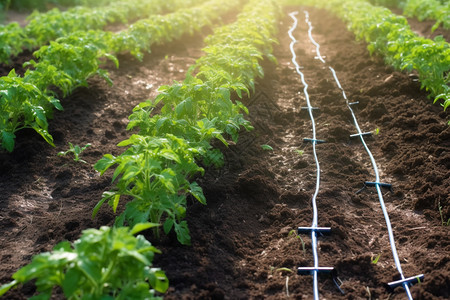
{"x":242,"y":245}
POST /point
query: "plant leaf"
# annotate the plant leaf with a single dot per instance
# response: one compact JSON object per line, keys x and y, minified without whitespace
{"x":141,"y":227}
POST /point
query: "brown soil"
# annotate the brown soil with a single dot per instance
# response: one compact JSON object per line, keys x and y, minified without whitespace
{"x":241,"y":239}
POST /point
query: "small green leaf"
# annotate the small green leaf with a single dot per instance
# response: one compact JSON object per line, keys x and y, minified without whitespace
{"x":44,"y":133}
{"x":56,"y":103}
{"x":63,"y":246}
{"x":141,"y":227}
{"x":105,"y":196}
{"x":168,"y":224}
{"x":158,"y":280}
{"x":182,"y":232}
{"x":89,"y":269}
{"x":197,"y":192}
{"x":104,"y":163}
{"x":116,"y":202}
{"x":126,"y":142}
{"x":6,"y":287}
{"x":8,"y":140}
{"x":284,"y":269}
{"x":170,"y":155}
{"x":266,"y":147}
{"x":71,"y":282}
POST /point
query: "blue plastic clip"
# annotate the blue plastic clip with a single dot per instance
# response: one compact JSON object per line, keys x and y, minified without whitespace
{"x":313,"y":141}
{"x":370,"y":183}
{"x":311,"y":270}
{"x":322,"y":230}
{"x":409,"y":281}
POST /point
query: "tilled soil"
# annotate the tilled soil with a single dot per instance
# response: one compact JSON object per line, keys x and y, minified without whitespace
{"x":242,"y":241}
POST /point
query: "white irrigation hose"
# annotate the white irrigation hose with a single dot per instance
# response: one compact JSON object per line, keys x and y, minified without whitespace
{"x":314,"y":142}
{"x":372,"y":159}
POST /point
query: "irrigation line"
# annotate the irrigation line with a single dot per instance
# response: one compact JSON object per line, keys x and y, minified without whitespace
{"x":405,"y":282}
{"x":314,"y":229}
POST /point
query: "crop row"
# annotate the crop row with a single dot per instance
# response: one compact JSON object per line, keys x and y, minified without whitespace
{"x":22,"y":5}
{"x":111,"y":263}
{"x":429,"y":10}
{"x":390,"y":36}
{"x":162,"y":159}
{"x":437,"y":10}
{"x":67,"y":63}
{"x":45,"y":27}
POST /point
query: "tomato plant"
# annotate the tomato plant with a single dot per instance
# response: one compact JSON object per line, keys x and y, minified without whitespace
{"x":105,"y":263}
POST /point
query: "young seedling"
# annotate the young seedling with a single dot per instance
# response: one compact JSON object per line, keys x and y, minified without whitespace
{"x":76,"y":150}
{"x":287,"y":278}
{"x":284,"y":269}
{"x":442,"y":216}
{"x":369,"y":294}
{"x":375,"y":260}
{"x":293,"y":232}
{"x":376,"y":131}
{"x":300,"y":152}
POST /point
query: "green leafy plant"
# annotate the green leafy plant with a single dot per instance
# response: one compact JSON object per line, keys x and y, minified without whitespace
{"x":154,"y":173}
{"x":23,"y":105}
{"x":109,"y":263}
{"x":266,"y":147}
{"x":76,"y":150}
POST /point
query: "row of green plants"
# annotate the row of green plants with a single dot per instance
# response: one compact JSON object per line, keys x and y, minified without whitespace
{"x":390,"y":36}
{"x":48,"y":26}
{"x":429,"y":10}
{"x":29,"y":101}
{"x":156,"y":173}
{"x":436,"y":10}
{"x":111,"y":263}
{"x":43,"y":5}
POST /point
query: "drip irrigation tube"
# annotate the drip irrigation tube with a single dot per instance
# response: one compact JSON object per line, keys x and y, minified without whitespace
{"x":314,"y":229}
{"x":405,"y":282}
